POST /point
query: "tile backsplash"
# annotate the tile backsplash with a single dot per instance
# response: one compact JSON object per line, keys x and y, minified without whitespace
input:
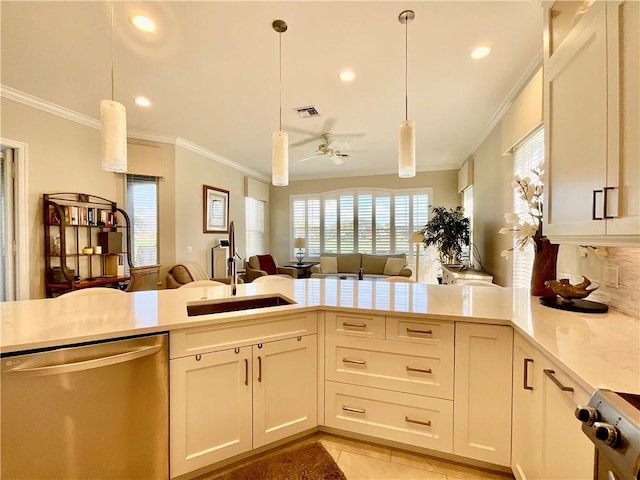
{"x":575,"y":262}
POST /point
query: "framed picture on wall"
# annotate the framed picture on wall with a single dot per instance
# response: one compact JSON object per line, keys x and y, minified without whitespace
{"x":215,"y":210}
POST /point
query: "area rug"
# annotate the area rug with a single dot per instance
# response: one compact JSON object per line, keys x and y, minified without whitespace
{"x":306,"y":462}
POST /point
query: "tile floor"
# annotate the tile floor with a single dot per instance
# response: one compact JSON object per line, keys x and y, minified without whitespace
{"x":363,"y":461}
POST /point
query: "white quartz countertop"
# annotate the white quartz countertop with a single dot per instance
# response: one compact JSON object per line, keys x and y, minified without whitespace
{"x":597,"y":350}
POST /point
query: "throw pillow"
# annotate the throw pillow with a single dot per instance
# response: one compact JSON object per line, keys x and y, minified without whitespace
{"x":267,"y":264}
{"x":328,"y":264}
{"x":394,"y":265}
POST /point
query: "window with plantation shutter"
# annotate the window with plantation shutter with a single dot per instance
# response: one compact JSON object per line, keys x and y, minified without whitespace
{"x":254,"y":226}
{"x":528,"y":155}
{"x":142,"y":207}
{"x":366,"y":221}
{"x":467,"y":204}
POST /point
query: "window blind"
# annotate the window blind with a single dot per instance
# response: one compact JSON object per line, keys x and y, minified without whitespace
{"x":254,"y":226}
{"x":365,"y":221}
{"x":467,"y":204}
{"x":142,"y":208}
{"x":527,"y":156}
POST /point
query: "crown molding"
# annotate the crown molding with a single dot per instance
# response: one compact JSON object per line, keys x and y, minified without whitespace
{"x":87,"y":121}
{"x":181,"y":142}
{"x":527,"y":74}
{"x":49,"y":107}
{"x":372,"y":173}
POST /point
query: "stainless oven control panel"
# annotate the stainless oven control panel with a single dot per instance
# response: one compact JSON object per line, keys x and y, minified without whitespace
{"x":612,"y":421}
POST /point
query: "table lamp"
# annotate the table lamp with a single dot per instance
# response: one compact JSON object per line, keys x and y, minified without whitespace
{"x":300,"y":244}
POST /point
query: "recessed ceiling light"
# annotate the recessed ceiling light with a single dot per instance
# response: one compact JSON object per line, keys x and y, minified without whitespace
{"x":143,"y":101}
{"x":481,"y":52}
{"x":144,"y":23}
{"x":347,"y":76}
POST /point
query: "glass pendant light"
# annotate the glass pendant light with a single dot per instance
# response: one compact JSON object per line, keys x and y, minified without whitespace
{"x":407,"y":137}
{"x":280,"y":140}
{"x":113,"y":116}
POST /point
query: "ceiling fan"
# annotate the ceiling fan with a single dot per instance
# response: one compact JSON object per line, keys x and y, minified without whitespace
{"x":324,"y":149}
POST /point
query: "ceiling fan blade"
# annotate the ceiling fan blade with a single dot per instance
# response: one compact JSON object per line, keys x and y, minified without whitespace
{"x":349,"y":135}
{"x":348,"y":150}
{"x":305,"y":141}
{"x":309,"y":158}
{"x":328,"y":124}
{"x":337,"y":159}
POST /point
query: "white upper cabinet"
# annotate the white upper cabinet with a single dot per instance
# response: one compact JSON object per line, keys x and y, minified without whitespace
{"x":591,"y":111}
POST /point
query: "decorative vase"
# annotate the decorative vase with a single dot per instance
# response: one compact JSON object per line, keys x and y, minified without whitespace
{"x":544,"y":266}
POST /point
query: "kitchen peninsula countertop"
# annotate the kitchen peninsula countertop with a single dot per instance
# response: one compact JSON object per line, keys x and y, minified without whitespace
{"x":597,"y":350}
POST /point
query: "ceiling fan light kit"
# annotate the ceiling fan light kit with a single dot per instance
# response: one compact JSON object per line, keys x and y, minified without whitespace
{"x":407,"y":137}
{"x":113,"y":116}
{"x":280,"y":139}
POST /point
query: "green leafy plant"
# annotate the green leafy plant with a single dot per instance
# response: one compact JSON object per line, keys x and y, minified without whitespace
{"x":447,"y":231}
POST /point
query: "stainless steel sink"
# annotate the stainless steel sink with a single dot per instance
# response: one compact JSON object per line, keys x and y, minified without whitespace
{"x":207,"y":307}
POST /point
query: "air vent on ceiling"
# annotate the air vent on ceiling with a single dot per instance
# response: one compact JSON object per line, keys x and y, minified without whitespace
{"x":306,"y":112}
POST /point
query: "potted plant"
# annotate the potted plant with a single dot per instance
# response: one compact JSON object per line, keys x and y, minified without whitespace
{"x":448,"y":232}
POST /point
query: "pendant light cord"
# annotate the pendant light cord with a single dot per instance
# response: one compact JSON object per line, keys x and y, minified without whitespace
{"x":112,"y":62}
{"x":406,"y":71}
{"x":280,"y":78}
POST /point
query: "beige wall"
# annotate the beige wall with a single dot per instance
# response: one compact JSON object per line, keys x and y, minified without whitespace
{"x":492,"y":198}
{"x":192,"y":172}
{"x":444,"y":184}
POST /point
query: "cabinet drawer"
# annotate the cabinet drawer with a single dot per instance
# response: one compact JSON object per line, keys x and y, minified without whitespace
{"x":357,"y":325}
{"x":410,"y":368}
{"x":420,"y":331}
{"x":229,"y":335}
{"x":411,"y":419}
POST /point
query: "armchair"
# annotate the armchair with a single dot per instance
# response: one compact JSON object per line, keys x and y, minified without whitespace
{"x":262,"y":265}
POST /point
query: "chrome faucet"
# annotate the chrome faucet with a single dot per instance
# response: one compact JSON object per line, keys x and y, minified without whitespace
{"x":231,"y":261}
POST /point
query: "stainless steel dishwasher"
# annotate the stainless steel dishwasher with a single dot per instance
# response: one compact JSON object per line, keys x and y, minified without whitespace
{"x":95,"y":411}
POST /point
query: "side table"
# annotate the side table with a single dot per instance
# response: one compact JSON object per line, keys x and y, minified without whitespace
{"x":304,"y":269}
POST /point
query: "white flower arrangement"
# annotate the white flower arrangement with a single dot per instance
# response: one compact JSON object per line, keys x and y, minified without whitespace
{"x":530,"y":190}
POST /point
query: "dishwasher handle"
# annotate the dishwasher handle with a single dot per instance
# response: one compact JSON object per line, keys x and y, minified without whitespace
{"x":84,"y":364}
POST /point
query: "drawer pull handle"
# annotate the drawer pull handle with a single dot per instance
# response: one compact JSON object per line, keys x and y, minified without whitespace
{"x":246,"y":371}
{"x":354,"y":410}
{"x":259,"y":368}
{"x":418,"y":422}
{"x":525,"y":383}
{"x":355,"y":362}
{"x":419,"y":332}
{"x":552,"y":375}
{"x":354,"y":325}
{"x":419,"y":370}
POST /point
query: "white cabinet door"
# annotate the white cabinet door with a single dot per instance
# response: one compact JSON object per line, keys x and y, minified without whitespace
{"x":210,"y":407}
{"x":591,"y":108}
{"x":575,"y":106}
{"x":285,"y":388}
{"x":548,"y":442}
{"x":526,"y":448}
{"x":567,"y":453}
{"x":624,"y":113}
{"x":482,"y":392}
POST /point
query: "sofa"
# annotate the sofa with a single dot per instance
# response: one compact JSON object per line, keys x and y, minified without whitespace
{"x":349,"y":264}
{"x":188,"y":272}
